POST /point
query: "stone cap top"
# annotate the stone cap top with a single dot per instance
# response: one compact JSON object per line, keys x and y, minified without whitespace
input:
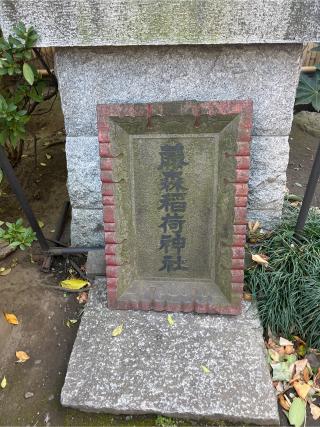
{"x":164,"y":22}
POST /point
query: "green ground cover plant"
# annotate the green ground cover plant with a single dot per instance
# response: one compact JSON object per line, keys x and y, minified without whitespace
{"x":286,"y":283}
{"x":16,"y":234}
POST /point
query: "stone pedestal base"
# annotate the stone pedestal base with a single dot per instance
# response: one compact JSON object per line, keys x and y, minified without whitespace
{"x":153,"y":367}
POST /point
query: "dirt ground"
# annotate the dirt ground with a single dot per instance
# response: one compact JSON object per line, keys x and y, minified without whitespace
{"x":43,"y":312}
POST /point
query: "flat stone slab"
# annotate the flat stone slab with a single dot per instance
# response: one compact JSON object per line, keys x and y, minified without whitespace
{"x":153,"y":367}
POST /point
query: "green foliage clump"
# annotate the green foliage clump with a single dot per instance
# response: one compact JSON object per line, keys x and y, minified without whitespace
{"x":287,"y":290}
{"x":17,"y":235}
{"x":22,"y":87}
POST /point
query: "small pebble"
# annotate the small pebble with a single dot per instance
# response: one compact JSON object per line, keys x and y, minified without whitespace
{"x":37,"y":362}
{"x":28,"y":394}
{"x":51,"y":397}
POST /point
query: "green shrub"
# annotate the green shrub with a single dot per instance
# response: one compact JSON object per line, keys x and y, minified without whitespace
{"x":287,"y":291}
{"x":22,"y":87}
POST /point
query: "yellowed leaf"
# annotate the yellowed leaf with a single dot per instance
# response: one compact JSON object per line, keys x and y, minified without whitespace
{"x":315,"y":411}
{"x":3,"y":383}
{"x":259,"y":259}
{"x":5,"y":271}
{"x":117,"y":331}
{"x":40,"y":223}
{"x":73,"y":283}
{"x":48,"y":156}
{"x":170,"y":320}
{"x":22,"y":356}
{"x":11,"y":318}
{"x":302,"y":389}
{"x":205,"y":369}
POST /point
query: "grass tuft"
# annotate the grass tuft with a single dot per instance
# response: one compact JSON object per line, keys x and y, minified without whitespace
{"x":287,"y":291}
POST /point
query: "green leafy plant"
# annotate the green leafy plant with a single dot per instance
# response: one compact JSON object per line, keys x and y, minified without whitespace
{"x":165,"y":421}
{"x":22,"y":87}
{"x":308,"y":91}
{"x":287,"y":288}
{"x":17,"y":235}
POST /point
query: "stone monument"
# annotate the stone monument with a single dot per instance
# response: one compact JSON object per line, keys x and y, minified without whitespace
{"x":174,"y":186}
{"x":149,"y":54}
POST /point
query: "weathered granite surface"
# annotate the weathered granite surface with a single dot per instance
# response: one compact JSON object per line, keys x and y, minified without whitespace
{"x":127,"y":22}
{"x":87,"y":227}
{"x":83,"y":162}
{"x":269,"y":160}
{"x":154,"y":368}
{"x":267,"y":74}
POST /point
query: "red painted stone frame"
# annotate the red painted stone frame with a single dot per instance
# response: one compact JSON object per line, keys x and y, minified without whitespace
{"x":222,"y":108}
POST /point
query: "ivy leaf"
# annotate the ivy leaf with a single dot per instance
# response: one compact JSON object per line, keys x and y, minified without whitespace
{"x":28,"y":73}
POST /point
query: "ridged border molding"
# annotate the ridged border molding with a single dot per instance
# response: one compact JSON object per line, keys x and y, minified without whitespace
{"x":231,"y":201}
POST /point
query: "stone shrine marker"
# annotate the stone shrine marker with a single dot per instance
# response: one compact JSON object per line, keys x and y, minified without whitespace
{"x":174,"y":184}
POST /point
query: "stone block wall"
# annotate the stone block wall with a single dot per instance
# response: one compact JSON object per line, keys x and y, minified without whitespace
{"x":267,"y":74}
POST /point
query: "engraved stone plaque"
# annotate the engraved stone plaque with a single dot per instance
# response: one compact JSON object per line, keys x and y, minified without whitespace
{"x":174,"y":185}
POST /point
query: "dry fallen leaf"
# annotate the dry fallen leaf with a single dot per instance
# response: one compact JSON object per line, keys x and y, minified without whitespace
{"x":306,"y":374}
{"x":283,"y":402}
{"x":117,"y":331}
{"x":73,"y":283}
{"x":315,"y":411}
{"x":253,"y":226}
{"x":5,"y":271}
{"x":48,"y":156}
{"x":22,"y":356}
{"x":300,"y":365}
{"x":82,"y":298}
{"x":170,"y":320}
{"x":260,"y":259}
{"x":289,"y":349}
{"x":247,"y":296}
{"x":284,"y":342}
{"x":40,"y":223}
{"x":43,"y":164}
{"x":302,"y":389}
{"x":3,"y":383}
{"x":11,"y":318}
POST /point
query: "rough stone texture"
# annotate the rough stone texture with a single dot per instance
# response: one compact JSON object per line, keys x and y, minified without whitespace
{"x":87,"y":227}
{"x":269,"y":160}
{"x":154,"y":368}
{"x":267,"y":74}
{"x":308,"y":122}
{"x":126,"y":22}
{"x":84,"y":184}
